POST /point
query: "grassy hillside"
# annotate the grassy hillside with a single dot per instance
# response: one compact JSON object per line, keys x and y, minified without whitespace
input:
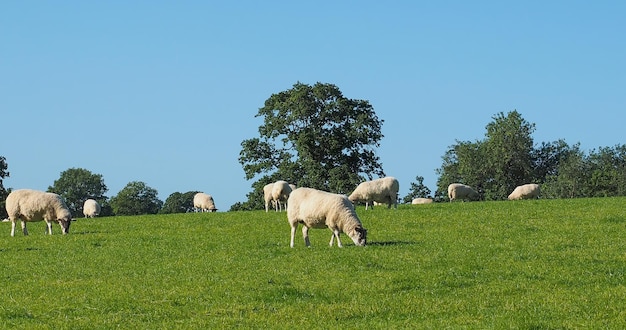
{"x":525,"y":264}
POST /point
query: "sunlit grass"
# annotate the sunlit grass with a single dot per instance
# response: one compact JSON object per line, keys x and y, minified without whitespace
{"x":525,"y":264}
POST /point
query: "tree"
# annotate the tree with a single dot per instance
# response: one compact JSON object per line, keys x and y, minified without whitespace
{"x":179,"y":202}
{"x":546,"y":159}
{"x":417,"y":190}
{"x":135,"y":199}
{"x":76,"y":185}
{"x":494,"y":166}
{"x":571,"y":178}
{"x":509,"y":147}
{"x":3,"y":192}
{"x":462,"y":163}
{"x":313,"y":136}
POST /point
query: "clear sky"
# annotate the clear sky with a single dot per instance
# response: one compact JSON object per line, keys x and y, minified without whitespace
{"x":164,"y":92}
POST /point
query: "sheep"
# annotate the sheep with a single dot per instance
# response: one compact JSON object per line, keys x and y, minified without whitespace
{"x":526,"y":191}
{"x":34,"y":205}
{"x":267,"y":195}
{"x":91,"y":208}
{"x":280,"y":194}
{"x":461,"y":191}
{"x":319,"y":209}
{"x":203,"y":203}
{"x":383,"y":190}
{"x":421,"y":200}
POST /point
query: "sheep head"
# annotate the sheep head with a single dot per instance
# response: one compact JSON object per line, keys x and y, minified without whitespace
{"x":359,"y":236}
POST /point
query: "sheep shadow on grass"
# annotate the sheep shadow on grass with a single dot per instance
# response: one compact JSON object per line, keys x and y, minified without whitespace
{"x":391,"y":243}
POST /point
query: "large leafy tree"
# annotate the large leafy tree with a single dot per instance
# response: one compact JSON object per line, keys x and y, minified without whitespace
{"x":179,"y":202}
{"x":495,"y":165}
{"x":76,"y":185}
{"x":4,"y":173}
{"x":313,"y":136}
{"x":135,"y":199}
{"x":509,"y":147}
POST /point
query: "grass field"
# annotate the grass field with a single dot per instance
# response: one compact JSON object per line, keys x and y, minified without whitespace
{"x":541,"y":264}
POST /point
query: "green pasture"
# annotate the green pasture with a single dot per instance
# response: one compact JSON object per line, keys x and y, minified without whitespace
{"x":540,"y":264}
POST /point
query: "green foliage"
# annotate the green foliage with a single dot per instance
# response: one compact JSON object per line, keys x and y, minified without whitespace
{"x":496,"y":165}
{"x":135,"y":199}
{"x":179,"y":203}
{"x":76,"y":185}
{"x":314,"y":136}
{"x":417,"y":190}
{"x":600,"y":173}
{"x":507,"y":158}
{"x":537,"y":264}
{"x":4,"y":173}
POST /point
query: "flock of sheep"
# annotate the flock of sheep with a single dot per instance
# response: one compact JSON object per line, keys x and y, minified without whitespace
{"x":320,"y":209}
{"x":307,"y":206}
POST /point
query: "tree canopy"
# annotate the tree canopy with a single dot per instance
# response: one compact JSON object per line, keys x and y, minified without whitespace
{"x":135,"y":199}
{"x":313,"y":136}
{"x":178,"y":202}
{"x":76,"y":185}
{"x":507,"y":157}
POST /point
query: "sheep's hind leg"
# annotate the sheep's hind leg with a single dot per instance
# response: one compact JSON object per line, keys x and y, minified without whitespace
{"x":24,"y":230}
{"x":293,"y":234}
{"x":305,"y":234}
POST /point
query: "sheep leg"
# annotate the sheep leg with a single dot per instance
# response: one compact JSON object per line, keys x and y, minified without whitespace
{"x":12,"y":227}
{"x":305,"y":234}
{"x":49,"y":229}
{"x":293,"y":234}
{"x":335,"y":235}
{"x":24,"y":230}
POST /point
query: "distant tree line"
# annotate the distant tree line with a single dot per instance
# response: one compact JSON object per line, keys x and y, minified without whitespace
{"x":76,"y":185}
{"x":508,"y":157}
{"x":313,"y":136}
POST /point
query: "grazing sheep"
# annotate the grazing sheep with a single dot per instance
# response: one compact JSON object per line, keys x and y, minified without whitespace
{"x":280,"y":194}
{"x":267,"y":195}
{"x":421,"y":200}
{"x":203,"y":203}
{"x":91,"y":208}
{"x":384,"y":190}
{"x":319,"y":209}
{"x":526,"y":191}
{"x":33,"y":205}
{"x":461,"y":191}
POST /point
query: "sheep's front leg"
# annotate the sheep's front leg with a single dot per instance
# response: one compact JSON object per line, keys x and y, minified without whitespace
{"x":335,"y":235}
{"x":49,"y":229}
{"x":305,"y":234}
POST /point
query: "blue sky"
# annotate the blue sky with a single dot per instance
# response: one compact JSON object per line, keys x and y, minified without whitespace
{"x":164,"y":92}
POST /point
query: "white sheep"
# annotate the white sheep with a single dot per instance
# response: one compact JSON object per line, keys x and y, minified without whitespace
{"x":421,"y":200}
{"x":383,"y":190}
{"x":203,"y":203}
{"x":319,"y":209}
{"x":461,"y":191}
{"x":267,"y":195}
{"x":526,"y":191}
{"x":91,"y":208}
{"x":280,"y":194}
{"x":33,"y":205}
